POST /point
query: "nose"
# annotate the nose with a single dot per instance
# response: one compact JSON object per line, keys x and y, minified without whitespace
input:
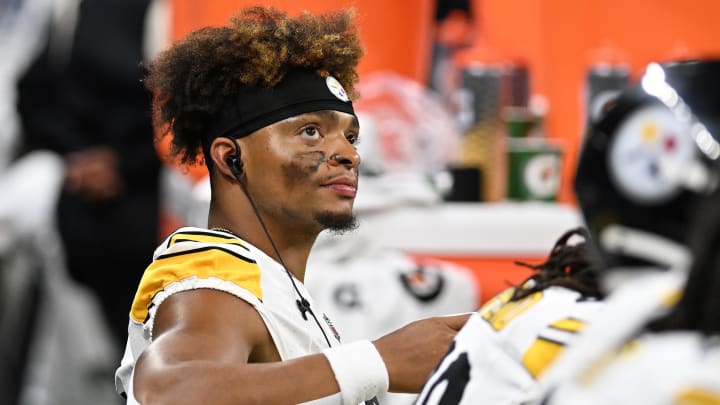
{"x":345,"y":154}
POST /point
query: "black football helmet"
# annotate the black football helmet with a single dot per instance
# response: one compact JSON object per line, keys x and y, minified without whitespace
{"x":647,"y":161}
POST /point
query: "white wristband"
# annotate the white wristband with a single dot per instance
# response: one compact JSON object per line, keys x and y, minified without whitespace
{"x":359,"y":370}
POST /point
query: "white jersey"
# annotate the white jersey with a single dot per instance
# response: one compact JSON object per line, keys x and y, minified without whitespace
{"x":642,"y":297}
{"x":193,"y":258}
{"x":498,"y":355}
{"x":370,"y":291}
{"x":671,"y":368}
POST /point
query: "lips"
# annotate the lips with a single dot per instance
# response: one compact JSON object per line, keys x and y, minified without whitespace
{"x":345,"y":186}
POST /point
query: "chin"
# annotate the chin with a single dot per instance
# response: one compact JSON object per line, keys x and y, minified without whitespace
{"x":337,"y":222}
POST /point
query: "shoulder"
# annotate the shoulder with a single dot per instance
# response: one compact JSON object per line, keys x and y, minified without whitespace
{"x":194,"y":239}
{"x":539,"y":307}
{"x":538,"y":327}
{"x":193,"y":258}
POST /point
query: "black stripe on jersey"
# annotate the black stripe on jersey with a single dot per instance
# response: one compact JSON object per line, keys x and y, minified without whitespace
{"x":574,"y":332}
{"x":171,"y":239}
{"x":196,"y":241}
{"x":204,"y":249}
{"x":152,"y":304}
{"x":551,"y":340}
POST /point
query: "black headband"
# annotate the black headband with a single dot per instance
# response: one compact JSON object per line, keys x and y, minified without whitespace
{"x":301,"y":91}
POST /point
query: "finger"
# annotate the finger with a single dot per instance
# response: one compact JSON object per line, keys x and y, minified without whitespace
{"x":456,"y":321}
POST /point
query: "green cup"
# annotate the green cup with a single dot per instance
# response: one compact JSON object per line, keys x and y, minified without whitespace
{"x":534,"y":167}
{"x":520,"y":122}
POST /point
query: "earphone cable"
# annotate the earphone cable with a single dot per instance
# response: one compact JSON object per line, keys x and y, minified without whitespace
{"x":303,"y":304}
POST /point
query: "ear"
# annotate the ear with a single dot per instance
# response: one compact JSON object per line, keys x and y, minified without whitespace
{"x":220,"y":150}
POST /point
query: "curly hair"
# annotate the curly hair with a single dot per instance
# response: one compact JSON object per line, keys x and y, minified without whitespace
{"x":570,"y":266}
{"x":191,"y":80}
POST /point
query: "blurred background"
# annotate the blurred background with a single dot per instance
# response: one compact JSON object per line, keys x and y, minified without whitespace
{"x":472,"y":115}
{"x":519,"y":79}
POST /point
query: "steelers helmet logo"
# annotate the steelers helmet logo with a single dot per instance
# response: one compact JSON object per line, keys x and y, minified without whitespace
{"x":648,"y":145}
{"x":336,"y":89}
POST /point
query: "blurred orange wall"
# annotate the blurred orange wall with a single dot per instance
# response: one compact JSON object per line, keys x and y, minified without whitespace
{"x":558,"y":36}
{"x":396,"y":34}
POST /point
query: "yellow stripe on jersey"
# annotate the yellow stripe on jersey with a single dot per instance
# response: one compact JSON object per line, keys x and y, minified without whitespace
{"x":211,"y":261}
{"x":569,"y":325}
{"x":499,"y":316}
{"x":697,"y":396}
{"x":540,"y":355}
{"x":205,"y":237}
{"x":495,"y":303}
{"x":671,"y":299}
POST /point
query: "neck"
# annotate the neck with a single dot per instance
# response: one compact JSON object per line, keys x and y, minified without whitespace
{"x":287,"y":245}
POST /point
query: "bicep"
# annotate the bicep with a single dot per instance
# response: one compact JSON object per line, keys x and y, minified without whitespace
{"x":206,"y":323}
{"x":203,"y":342}
{"x":195,"y":334}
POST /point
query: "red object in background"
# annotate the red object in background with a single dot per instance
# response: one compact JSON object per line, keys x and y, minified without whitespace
{"x":492,"y":274}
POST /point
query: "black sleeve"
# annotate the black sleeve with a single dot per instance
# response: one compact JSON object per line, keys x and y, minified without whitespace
{"x":47,"y":122}
{"x":91,"y":94}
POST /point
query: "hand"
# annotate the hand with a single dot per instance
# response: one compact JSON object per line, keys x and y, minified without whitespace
{"x":413,"y":351}
{"x":93,"y":172}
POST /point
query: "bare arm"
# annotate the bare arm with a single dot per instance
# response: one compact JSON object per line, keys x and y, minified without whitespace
{"x":226,"y":356}
{"x":203,"y":342}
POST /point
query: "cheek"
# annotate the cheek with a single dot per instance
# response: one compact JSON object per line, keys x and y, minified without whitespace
{"x":302,"y":166}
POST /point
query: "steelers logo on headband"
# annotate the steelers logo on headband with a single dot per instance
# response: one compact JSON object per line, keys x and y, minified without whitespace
{"x":336,"y":89}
